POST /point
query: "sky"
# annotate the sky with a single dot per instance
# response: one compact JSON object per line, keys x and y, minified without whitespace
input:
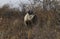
{"x":14,"y":3}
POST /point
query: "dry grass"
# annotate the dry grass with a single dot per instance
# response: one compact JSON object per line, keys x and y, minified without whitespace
{"x":12,"y":26}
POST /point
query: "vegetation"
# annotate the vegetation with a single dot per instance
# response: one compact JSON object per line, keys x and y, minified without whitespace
{"x":12,"y":24}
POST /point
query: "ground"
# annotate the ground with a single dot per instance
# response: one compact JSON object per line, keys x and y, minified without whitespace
{"x":12,"y":27}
